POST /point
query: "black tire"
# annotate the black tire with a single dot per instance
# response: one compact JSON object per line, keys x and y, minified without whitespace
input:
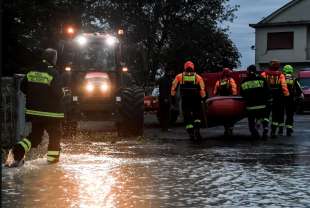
{"x":131,"y":112}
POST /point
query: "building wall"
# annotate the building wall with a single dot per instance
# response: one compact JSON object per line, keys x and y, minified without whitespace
{"x":298,"y":12}
{"x":296,"y":55}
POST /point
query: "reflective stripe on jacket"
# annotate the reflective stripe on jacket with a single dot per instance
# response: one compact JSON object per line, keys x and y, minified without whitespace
{"x":225,"y":87}
{"x":256,"y":92}
{"x":190,"y":79}
{"x":43,"y":89}
{"x":293,"y":85}
{"x":276,"y":81}
{"x":45,"y":114}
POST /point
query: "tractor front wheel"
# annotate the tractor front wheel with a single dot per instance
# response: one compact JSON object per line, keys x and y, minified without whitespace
{"x":131,"y":112}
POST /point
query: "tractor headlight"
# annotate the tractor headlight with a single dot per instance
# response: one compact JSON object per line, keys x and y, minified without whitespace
{"x":104,"y":87}
{"x":81,"y":40}
{"x":67,"y":68}
{"x":111,"y":40}
{"x":89,"y":87}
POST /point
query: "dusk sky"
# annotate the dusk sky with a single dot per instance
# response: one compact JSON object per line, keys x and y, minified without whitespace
{"x":250,"y":11}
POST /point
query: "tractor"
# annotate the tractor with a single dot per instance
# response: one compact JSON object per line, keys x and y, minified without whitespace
{"x":98,"y":83}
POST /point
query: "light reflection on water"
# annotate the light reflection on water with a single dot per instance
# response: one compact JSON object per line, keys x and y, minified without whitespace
{"x":161,"y":175}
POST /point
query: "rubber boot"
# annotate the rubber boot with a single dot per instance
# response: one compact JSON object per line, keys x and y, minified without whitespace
{"x":53,"y":156}
{"x":265,"y":134}
{"x":197,"y":133}
{"x":280,"y":132}
{"x":191,"y":133}
{"x":289,"y":131}
{"x":16,"y":157}
{"x":273,"y":132}
{"x":228,"y":131}
{"x":255,"y":134}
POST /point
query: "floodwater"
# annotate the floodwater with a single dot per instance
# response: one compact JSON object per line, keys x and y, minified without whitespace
{"x":141,"y":172}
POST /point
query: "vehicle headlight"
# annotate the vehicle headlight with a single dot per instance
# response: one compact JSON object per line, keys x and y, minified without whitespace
{"x":81,"y":40}
{"x":111,"y":40}
{"x":90,"y":87}
{"x":67,"y":68}
{"x":104,"y":87}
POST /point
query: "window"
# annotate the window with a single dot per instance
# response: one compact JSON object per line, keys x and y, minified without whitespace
{"x":280,"y":40}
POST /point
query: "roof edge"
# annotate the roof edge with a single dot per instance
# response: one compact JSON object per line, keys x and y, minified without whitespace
{"x":278,"y":11}
{"x":279,"y":24}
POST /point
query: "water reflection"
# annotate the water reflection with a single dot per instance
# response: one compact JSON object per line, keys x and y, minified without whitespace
{"x":163,"y":174}
{"x":37,"y":184}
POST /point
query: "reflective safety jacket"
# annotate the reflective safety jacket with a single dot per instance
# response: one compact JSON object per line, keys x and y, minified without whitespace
{"x":43,"y":89}
{"x":293,"y":86}
{"x":256,"y":92}
{"x":191,"y":84}
{"x":225,"y":87}
{"x":277,"y":83}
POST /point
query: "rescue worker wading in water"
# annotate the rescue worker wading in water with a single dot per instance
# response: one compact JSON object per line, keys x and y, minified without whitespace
{"x":276,"y":80}
{"x":289,"y":103}
{"x":192,"y":90}
{"x":226,"y":86}
{"x":256,"y":92}
{"x":43,"y":89}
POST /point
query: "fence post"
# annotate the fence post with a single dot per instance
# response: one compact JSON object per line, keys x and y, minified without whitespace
{"x":22,"y":128}
{"x":8,"y":112}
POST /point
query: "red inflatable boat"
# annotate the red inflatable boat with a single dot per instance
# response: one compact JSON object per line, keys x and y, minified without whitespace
{"x":221,"y":110}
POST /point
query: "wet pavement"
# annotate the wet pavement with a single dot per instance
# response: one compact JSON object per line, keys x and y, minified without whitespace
{"x":165,"y":169}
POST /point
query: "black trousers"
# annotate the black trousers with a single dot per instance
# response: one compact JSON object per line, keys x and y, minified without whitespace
{"x":288,"y":112}
{"x":164,"y":113}
{"x":52,"y":126}
{"x":191,"y":107}
{"x":277,"y":112}
{"x":255,"y":116}
{"x":39,"y":124}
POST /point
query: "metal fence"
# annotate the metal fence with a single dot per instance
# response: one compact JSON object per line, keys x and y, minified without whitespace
{"x":12,"y":111}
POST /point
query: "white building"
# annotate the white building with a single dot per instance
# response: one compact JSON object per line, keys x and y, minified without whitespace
{"x":284,"y":35}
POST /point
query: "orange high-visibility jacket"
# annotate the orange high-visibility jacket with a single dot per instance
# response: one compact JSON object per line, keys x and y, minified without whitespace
{"x":229,"y":82}
{"x":181,"y":79}
{"x":276,"y":78}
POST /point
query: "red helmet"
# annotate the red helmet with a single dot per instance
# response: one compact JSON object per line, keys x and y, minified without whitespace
{"x":189,"y":66}
{"x":226,"y":72}
{"x":274,"y":65}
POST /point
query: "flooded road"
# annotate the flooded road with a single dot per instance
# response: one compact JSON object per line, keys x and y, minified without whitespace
{"x":167,"y":170}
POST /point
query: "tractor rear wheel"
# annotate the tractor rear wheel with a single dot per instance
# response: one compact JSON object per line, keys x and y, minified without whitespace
{"x":131,"y":112}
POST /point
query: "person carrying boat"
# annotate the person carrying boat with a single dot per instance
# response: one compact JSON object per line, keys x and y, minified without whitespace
{"x":276,"y":80}
{"x":256,"y":92}
{"x":289,"y":103}
{"x":226,"y":86}
{"x":192,"y":88}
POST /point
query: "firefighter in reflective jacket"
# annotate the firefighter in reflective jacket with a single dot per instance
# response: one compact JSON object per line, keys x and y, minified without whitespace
{"x":192,"y":90}
{"x":43,"y":89}
{"x":289,"y":103}
{"x":226,"y":86}
{"x":276,"y":80}
{"x":256,"y":92}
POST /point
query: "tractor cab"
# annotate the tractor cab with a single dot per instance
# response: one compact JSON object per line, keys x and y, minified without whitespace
{"x":98,"y":82}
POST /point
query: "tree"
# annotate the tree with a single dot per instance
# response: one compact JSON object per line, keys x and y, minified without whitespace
{"x":167,"y":33}
{"x":159,"y":33}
